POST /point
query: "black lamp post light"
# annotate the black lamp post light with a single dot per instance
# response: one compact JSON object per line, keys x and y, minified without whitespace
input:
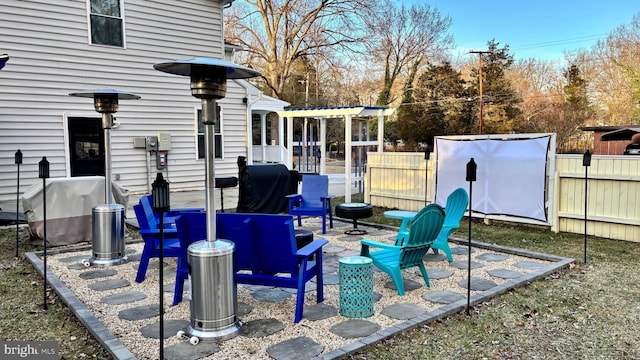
{"x":586,"y":162}
{"x":161,"y":204}
{"x":18,"y":161}
{"x":213,"y":315}
{"x":108,"y":218}
{"x":43,"y":173}
{"x":472,"y":168}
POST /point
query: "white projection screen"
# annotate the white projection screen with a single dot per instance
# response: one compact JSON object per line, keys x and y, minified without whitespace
{"x":512,"y":178}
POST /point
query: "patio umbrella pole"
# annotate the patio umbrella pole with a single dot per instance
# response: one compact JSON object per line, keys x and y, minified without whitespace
{"x":43,"y":167}
{"x":18,"y":158}
{"x":471,"y":177}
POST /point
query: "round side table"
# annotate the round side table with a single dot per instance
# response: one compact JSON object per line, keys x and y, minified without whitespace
{"x":354,"y":211}
{"x":356,"y":286}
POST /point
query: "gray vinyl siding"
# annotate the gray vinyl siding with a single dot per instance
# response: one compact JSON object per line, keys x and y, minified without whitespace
{"x":51,"y":56}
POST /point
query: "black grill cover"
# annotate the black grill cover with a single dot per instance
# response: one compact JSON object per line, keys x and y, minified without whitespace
{"x":262,"y":188}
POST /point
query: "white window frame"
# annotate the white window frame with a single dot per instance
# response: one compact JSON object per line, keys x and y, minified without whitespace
{"x":219,"y":135}
{"x":122,"y":21}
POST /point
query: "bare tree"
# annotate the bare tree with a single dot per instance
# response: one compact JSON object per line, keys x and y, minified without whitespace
{"x":277,"y":33}
{"x":406,"y":39}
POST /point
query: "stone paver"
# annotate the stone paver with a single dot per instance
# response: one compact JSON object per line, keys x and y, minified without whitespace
{"x":355,"y":328}
{"x":140,"y":312}
{"x":186,"y":351}
{"x":272,"y":295}
{"x":319,"y":312}
{"x":529,"y":265}
{"x":243,"y":309}
{"x":110,"y":284}
{"x":477,"y":284}
{"x":124,"y":297}
{"x":443,"y":297}
{"x":492,"y":257}
{"x":403,"y":311}
{"x":437,"y":274}
{"x":409,"y":285}
{"x":295,"y":349}
{"x":504,"y":273}
{"x":95,"y":274}
{"x":171,"y":328}
{"x":461,"y":250}
{"x":261,"y":327}
{"x":464,"y":264}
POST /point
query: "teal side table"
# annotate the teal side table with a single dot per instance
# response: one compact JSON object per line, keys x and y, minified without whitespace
{"x":356,"y":286}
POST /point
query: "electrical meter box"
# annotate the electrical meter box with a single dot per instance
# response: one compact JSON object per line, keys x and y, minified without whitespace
{"x":164,"y":141}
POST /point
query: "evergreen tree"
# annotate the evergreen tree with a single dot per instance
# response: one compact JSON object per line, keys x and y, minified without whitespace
{"x":499,"y":97}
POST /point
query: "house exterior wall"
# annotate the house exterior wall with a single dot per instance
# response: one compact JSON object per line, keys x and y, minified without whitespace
{"x":51,"y":56}
{"x":397,"y":180}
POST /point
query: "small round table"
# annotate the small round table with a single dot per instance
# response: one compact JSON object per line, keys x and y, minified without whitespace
{"x":356,"y":286}
{"x":406,"y":217}
{"x":354,"y":211}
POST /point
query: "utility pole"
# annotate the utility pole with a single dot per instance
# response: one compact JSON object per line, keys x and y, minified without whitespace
{"x":480,"y":85}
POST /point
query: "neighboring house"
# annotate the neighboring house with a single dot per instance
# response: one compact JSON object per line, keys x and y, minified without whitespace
{"x":60,"y":47}
{"x":611,"y":140}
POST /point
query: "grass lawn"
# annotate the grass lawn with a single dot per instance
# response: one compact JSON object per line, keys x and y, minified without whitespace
{"x":590,"y":311}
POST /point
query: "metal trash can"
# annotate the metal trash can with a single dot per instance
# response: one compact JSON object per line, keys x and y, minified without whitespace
{"x":213,"y":290}
{"x":108,"y":234}
{"x":356,"y":286}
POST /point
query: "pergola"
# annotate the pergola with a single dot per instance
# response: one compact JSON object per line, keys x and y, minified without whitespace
{"x":348,"y":113}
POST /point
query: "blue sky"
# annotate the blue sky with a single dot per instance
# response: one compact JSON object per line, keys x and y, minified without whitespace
{"x":541,"y":29}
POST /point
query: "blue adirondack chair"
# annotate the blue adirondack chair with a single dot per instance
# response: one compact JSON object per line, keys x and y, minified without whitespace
{"x":170,"y":216}
{"x":392,"y":259}
{"x":314,"y":200}
{"x":270,"y":256}
{"x":457,"y":203}
{"x":150,"y":233}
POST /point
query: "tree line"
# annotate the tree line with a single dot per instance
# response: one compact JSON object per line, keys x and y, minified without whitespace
{"x":356,"y":52}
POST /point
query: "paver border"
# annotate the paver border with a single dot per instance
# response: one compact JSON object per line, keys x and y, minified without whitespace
{"x":115,"y":347}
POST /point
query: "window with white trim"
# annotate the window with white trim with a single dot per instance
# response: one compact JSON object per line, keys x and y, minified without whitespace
{"x":106,"y":22}
{"x":217,"y":134}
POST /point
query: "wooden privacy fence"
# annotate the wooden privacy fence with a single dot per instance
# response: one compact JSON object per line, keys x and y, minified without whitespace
{"x":397,"y":180}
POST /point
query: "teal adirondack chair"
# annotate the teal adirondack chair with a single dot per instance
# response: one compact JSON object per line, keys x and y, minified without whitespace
{"x":392,"y":259}
{"x":457,"y":203}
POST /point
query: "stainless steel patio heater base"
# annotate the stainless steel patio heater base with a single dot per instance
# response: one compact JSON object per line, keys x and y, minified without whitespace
{"x":213,"y":292}
{"x":107,"y":235}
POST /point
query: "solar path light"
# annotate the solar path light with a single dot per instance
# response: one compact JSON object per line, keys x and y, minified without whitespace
{"x":108,"y":218}
{"x":213,"y":289}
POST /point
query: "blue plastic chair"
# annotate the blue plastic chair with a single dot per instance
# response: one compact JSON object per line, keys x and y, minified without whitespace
{"x":270,"y":257}
{"x":150,"y":233}
{"x":457,"y":203}
{"x":313,"y":200}
{"x":392,"y":259}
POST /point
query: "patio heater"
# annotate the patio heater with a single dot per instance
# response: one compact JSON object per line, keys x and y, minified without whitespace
{"x":108,"y":218}
{"x":213,"y":288}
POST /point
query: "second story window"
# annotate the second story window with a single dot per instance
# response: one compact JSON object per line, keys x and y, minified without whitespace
{"x":106,"y":22}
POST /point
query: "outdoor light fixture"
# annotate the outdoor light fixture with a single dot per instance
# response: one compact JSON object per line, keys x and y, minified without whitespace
{"x":213,"y":315}
{"x":43,"y":173}
{"x":161,"y":199}
{"x":472,"y":169}
{"x":18,"y":161}
{"x":108,"y":219}
{"x":3,"y":60}
{"x":586,"y":162}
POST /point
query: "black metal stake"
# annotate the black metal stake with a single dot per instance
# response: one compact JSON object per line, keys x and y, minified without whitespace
{"x":43,"y":173}
{"x":160,"y":195}
{"x":426,"y":175}
{"x":471,"y":177}
{"x":18,"y":160}
{"x":586,"y":162}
